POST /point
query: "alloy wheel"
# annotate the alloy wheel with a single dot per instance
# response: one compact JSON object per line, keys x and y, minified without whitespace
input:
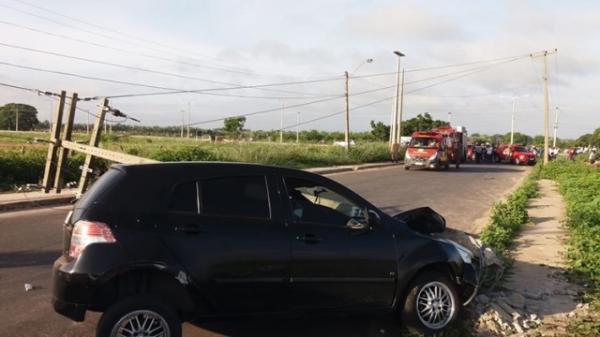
{"x":435,"y":305}
{"x":141,"y":323}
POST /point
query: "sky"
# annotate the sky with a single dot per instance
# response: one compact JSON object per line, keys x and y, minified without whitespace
{"x":466,"y":61}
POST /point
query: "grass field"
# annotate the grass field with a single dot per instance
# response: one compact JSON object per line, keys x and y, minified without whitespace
{"x":22,"y":159}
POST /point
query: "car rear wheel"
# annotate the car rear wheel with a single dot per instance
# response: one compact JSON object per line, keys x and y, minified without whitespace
{"x":139,"y":316}
{"x":431,"y":303}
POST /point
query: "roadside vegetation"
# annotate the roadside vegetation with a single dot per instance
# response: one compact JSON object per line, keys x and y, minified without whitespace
{"x":579,"y":183}
{"x":22,"y":160}
{"x":507,"y":217}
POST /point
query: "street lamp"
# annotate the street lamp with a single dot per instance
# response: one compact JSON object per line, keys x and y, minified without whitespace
{"x":396,"y":120}
{"x":369,"y":60}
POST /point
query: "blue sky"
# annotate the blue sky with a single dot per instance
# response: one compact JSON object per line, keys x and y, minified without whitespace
{"x":257,"y":42}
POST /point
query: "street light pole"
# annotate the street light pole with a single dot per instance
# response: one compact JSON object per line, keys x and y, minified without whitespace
{"x":555,"y":126}
{"x":396,"y":119}
{"x":512,"y":122}
{"x":347,"y":133}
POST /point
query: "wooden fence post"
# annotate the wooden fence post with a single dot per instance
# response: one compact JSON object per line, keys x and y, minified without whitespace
{"x":62,"y":152}
{"x":94,"y":140}
{"x":54,"y":143}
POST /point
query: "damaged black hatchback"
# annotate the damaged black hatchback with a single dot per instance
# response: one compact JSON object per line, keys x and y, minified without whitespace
{"x":154,"y":245}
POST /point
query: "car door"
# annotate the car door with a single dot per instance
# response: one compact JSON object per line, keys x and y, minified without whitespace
{"x":337,"y":261}
{"x":235,"y":246}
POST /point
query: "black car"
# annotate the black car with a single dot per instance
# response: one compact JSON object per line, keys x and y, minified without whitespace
{"x":154,"y":245}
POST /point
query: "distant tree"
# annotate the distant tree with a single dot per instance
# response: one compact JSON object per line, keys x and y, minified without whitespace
{"x":585,"y":139}
{"x":380,"y":131}
{"x":595,"y":140}
{"x":420,"y":122}
{"x":234,"y":125}
{"x":27,"y":116}
{"x":538,"y":140}
{"x":518,"y":138}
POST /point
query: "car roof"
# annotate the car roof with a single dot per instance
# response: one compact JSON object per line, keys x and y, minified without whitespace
{"x":206,"y":166}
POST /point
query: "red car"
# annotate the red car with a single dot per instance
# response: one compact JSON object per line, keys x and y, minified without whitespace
{"x":516,"y":154}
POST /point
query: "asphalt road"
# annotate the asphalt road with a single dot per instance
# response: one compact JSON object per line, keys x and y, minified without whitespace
{"x":30,"y":240}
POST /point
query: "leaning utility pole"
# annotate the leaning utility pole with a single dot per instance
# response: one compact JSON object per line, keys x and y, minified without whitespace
{"x":347,"y":135}
{"x":545,"y":54}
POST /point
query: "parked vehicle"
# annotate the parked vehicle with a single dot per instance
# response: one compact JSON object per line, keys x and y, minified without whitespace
{"x":515,"y":154}
{"x":154,"y":245}
{"x":437,"y":148}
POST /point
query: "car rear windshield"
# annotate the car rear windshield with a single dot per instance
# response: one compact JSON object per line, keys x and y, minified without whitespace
{"x":424,"y":142}
{"x":101,"y":186}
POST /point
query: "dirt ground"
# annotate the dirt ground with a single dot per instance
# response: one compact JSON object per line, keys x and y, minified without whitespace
{"x":540,"y":298}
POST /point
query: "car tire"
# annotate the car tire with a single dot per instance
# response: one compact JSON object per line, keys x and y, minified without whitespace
{"x":446,"y":166}
{"x":422,"y":290}
{"x":124,"y":313}
{"x":407,"y":167}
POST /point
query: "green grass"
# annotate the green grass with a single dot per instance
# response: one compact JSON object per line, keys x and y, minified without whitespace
{"x":506,"y":217}
{"x":21,"y":164}
{"x":579,"y":183}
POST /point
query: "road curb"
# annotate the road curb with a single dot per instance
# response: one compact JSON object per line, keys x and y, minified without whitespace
{"x":349,"y":168}
{"x":33,"y":203}
{"x":65,"y":199}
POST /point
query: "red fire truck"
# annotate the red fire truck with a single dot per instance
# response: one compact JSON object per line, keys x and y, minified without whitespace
{"x":437,"y":148}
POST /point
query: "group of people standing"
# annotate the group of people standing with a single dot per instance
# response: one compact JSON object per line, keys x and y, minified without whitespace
{"x":484,"y":152}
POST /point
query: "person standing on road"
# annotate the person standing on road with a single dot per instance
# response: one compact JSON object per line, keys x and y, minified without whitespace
{"x":593,"y":154}
{"x":489,"y":150}
{"x":478,"y":152}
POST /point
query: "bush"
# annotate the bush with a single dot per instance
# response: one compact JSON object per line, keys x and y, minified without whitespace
{"x":506,"y":217}
{"x":580,"y":186}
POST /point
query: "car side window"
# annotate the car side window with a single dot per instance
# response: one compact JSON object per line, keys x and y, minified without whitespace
{"x":315,"y":203}
{"x":243,"y":196}
{"x":185,"y":198}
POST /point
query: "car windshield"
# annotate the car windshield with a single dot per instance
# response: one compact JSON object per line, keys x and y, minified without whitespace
{"x":521,"y":149}
{"x":424,"y":142}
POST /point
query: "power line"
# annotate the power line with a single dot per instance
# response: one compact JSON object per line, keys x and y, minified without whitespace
{"x":121,"y":33}
{"x":469,"y":71}
{"x":287,"y":107}
{"x":170,"y":90}
{"x":339,"y":112}
{"x":443,"y":66}
{"x":110,"y":37}
{"x":141,"y":69}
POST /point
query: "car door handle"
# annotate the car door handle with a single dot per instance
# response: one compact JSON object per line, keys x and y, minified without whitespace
{"x":190,"y":229}
{"x":309,"y":238}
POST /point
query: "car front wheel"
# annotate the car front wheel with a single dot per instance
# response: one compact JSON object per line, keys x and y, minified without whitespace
{"x":139,"y":316}
{"x":431,"y":303}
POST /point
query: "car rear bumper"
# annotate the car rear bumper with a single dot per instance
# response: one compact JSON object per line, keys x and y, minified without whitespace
{"x":71,"y":292}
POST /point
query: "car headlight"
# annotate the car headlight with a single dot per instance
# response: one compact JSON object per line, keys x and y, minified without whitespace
{"x":465,"y":254}
{"x":434,"y":156}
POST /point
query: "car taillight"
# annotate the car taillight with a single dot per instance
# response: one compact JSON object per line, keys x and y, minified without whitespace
{"x":88,"y":232}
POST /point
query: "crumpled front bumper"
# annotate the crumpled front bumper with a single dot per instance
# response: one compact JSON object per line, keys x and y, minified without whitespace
{"x":471,"y":282}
